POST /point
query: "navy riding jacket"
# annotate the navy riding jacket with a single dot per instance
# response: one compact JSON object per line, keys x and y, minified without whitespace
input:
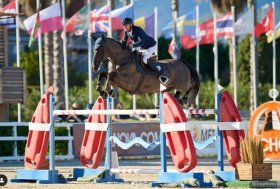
{"x":139,"y":38}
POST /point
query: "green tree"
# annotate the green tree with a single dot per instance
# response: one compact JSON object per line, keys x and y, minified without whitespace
{"x":243,"y":61}
{"x":265,"y":60}
{"x":29,"y":62}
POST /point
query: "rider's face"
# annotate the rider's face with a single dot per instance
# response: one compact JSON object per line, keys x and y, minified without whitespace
{"x":127,"y":27}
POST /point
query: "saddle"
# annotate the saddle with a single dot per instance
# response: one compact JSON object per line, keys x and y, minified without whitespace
{"x":140,"y":65}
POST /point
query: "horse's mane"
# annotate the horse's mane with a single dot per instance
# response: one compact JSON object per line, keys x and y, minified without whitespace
{"x":112,"y":39}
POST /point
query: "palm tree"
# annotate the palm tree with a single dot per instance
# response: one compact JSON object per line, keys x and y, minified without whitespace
{"x":175,"y":8}
{"x":29,"y":6}
{"x":125,"y":2}
{"x":223,"y":7}
{"x":48,"y":59}
{"x":58,"y":73}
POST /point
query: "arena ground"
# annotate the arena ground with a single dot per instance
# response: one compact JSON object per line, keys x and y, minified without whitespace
{"x":131,"y":180}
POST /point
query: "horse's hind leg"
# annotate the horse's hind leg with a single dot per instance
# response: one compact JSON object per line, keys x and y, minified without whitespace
{"x":192,"y":95}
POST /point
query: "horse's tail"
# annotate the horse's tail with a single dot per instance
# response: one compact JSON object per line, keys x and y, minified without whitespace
{"x":195,"y":84}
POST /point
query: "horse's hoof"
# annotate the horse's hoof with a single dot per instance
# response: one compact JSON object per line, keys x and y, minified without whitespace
{"x":181,"y":102}
{"x":113,"y":94}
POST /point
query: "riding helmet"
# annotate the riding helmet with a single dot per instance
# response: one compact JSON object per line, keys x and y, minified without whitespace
{"x":126,"y":21}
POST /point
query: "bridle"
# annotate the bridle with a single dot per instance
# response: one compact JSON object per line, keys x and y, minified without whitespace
{"x":102,"y":54}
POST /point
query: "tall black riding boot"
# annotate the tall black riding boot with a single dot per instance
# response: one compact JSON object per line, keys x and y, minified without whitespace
{"x":158,"y":70}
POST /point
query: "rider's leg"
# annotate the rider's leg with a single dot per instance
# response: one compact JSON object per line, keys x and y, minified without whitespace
{"x":158,"y":69}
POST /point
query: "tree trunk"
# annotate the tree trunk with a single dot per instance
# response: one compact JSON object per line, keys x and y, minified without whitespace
{"x":58,"y":74}
{"x":125,"y":2}
{"x":253,"y":46}
{"x":113,"y":5}
{"x":48,"y":58}
{"x":175,"y":10}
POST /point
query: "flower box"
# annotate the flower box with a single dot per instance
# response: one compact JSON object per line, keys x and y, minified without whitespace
{"x":254,"y":171}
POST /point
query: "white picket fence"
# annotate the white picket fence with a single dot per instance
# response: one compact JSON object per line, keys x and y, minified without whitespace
{"x":14,"y":137}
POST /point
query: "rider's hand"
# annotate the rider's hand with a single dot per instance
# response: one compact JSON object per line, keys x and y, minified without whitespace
{"x":130,"y":46}
{"x":123,"y":44}
{"x":135,"y":49}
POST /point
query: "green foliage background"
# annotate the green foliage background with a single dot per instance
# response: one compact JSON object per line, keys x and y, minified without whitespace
{"x":79,"y":85}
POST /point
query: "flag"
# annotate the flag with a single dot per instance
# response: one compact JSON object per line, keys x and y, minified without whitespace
{"x":225,"y":26}
{"x":50,"y":19}
{"x":244,"y":24}
{"x":173,"y":49}
{"x":100,"y":19}
{"x":188,"y":42}
{"x":119,"y":14}
{"x":266,"y":24}
{"x":10,"y":8}
{"x":7,"y":20}
{"x":277,"y":33}
{"x":206,"y":35}
{"x":147,"y":23}
{"x":186,"y":24}
{"x":35,"y":29}
{"x":167,"y":31}
{"x":79,"y":22}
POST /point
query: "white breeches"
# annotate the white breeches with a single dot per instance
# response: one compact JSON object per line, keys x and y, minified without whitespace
{"x":148,"y":53}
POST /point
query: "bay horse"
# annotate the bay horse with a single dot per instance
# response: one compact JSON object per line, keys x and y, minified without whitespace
{"x":129,"y":75}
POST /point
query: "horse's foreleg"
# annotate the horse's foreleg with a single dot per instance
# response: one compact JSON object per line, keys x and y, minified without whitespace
{"x":101,"y":76}
{"x":109,"y":90}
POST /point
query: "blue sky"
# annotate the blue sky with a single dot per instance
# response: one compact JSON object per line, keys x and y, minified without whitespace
{"x":146,"y":7}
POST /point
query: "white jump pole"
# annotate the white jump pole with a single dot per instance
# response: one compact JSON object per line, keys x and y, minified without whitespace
{"x":128,"y":112}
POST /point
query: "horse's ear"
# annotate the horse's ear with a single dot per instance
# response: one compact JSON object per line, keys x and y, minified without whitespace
{"x":93,"y":37}
{"x":103,"y":37}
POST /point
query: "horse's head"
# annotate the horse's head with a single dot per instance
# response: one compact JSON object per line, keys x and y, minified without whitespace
{"x":99,"y":53}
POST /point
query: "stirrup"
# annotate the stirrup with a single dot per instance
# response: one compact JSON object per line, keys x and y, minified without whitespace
{"x":163,"y":79}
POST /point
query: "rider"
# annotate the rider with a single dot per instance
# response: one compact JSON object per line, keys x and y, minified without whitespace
{"x":141,"y":40}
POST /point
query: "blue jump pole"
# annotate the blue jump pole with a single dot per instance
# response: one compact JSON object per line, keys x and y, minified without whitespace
{"x":108,"y":177}
{"x":220,"y":145}
{"x":162,"y":137}
{"x":51,"y":141}
{"x":108,"y":143}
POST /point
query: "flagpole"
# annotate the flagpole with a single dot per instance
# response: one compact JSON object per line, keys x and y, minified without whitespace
{"x":234,"y":58}
{"x":110,"y":19}
{"x":197,"y":48}
{"x":18,"y":52}
{"x":134,"y":104}
{"x":65,"y":57}
{"x":215,"y":59}
{"x":40,"y":54}
{"x":156,"y":38}
{"x":274,"y":52}
{"x":254,"y":61}
{"x":89,"y":58}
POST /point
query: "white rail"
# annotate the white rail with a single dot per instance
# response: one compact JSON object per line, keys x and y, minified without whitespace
{"x":16,"y":138}
{"x":128,"y":112}
{"x":106,"y":112}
